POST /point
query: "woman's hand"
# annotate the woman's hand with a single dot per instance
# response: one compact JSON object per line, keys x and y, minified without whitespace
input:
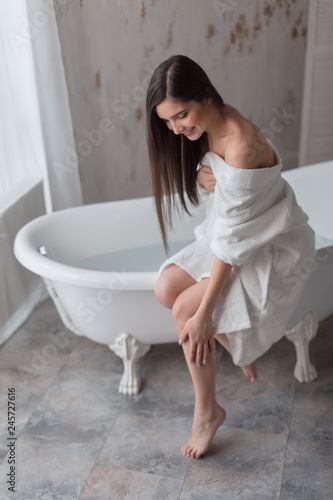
{"x":206,"y":178}
{"x":198,"y":330}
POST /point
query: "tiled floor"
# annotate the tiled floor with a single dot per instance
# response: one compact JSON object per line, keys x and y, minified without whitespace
{"x":78,"y":438}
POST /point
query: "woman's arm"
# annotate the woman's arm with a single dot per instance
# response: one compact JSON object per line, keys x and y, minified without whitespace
{"x":219,"y":276}
{"x":198,"y":329}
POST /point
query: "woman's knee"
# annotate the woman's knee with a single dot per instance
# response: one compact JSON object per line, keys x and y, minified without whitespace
{"x":164,"y":292}
{"x":171,"y":283}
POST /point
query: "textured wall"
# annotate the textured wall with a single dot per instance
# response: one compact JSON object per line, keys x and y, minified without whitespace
{"x":253,"y":52}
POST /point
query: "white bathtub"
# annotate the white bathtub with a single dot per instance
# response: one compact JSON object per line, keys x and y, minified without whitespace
{"x":113,"y":302}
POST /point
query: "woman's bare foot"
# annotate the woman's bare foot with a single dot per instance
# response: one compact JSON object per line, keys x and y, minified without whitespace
{"x":203,"y":431}
{"x":250,"y":371}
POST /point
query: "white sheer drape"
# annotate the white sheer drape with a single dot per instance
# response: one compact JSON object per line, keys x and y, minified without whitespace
{"x":36,"y":133}
{"x":59,"y":145}
{"x":21,"y":151}
{"x":36,"y":125}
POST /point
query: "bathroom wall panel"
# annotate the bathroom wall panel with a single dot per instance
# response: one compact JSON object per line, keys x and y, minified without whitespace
{"x":253,"y":51}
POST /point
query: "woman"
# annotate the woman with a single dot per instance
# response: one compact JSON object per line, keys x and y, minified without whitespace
{"x":237,"y":281}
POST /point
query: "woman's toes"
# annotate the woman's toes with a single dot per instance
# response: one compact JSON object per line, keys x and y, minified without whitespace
{"x":186,"y":450}
{"x":250,"y":371}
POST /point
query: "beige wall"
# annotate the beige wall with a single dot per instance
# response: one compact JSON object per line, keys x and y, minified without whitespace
{"x":253,"y":51}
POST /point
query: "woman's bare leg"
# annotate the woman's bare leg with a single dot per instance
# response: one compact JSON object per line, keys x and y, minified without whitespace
{"x":178,"y":291}
{"x":171,"y":283}
{"x":249,"y":370}
{"x":208,"y":415}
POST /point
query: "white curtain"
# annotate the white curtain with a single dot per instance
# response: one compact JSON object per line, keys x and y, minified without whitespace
{"x":37,"y":133}
{"x":21,"y":150}
{"x":60,"y":151}
{"x":36,"y":143}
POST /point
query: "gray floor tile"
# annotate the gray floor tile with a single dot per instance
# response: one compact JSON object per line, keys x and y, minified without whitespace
{"x":309,"y":461}
{"x":111,"y":483}
{"x":155,"y":367}
{"x":148,"y":443}
{"x":76,"y":414}
{"x":45,"y":474}
{"x":73,"y":424}
{"x":241,"y":464}
{"x":264,"y":405}
{"x":89,"y":355}
{"x":33,"y":356}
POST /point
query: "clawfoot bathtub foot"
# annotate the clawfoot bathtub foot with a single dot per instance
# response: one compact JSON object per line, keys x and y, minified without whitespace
{"x":130,"y":350}
{"x":301,"y":336}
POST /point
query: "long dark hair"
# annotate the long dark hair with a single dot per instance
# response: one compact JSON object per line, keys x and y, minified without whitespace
{"x":173,"y":158}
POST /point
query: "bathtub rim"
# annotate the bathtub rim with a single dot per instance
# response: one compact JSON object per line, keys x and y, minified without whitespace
{"x":30,"y":257}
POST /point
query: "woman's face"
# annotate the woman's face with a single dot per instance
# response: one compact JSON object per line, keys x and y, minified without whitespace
{"x":188,"y":118}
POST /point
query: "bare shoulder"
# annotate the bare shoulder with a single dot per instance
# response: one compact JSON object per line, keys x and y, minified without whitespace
{"x":247,"y":147}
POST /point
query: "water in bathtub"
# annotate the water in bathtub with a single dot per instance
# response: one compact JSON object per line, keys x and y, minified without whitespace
{"x":140,"y":259}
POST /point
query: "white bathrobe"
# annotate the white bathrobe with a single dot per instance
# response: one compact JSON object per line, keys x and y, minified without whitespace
{"x":255,"y":224}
